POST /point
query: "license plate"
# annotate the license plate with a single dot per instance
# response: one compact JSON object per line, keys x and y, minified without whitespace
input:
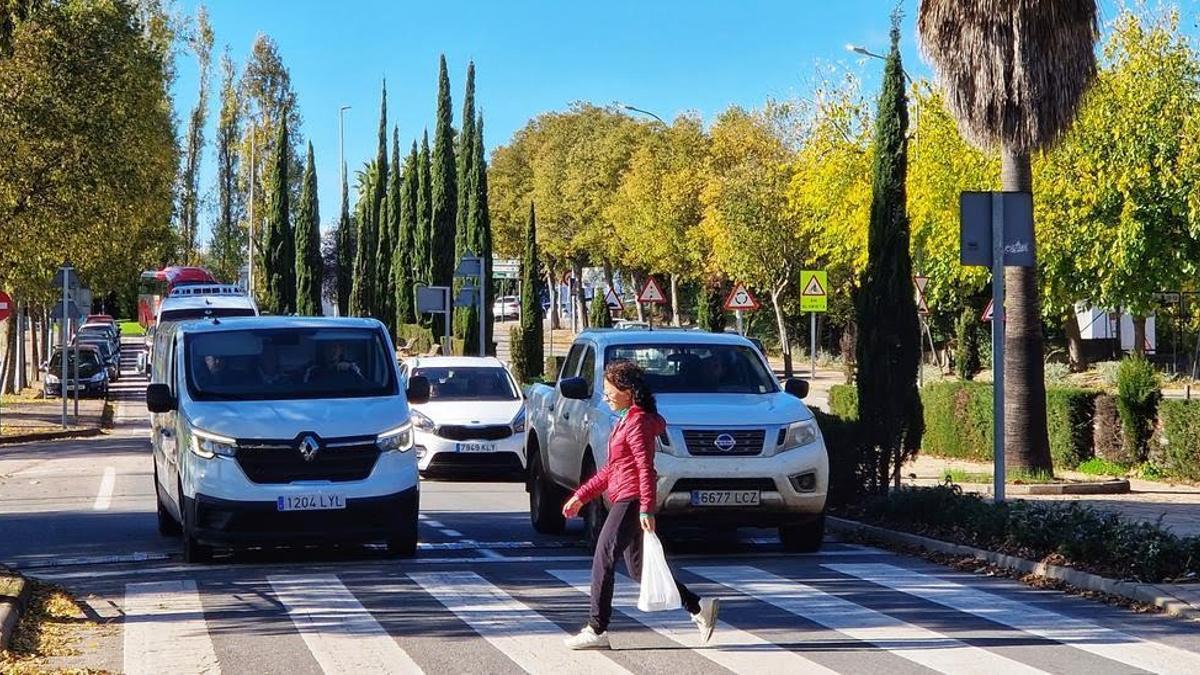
{"x":74,"y":387}
{"x":725,"y":497}
{"x":313,"y":502}
{"x":474,"y":447}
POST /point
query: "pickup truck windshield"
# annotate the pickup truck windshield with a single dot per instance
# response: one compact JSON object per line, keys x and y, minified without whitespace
{"x":698,"y":369}
{"x":468,"y":384}
{"x":288,"y":363}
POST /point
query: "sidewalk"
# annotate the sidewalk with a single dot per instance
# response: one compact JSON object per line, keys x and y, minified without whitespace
{"x":1176,"y":507}
{"x":27,"y":417}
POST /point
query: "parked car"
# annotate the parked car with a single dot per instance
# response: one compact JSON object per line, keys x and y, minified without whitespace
{"x":626,"y":324}
{"x":101,"y":318}
{"x":104,"y":331}
{"x":282,"y":430}
{"x":507,"y":307}
{"x":474,"y":421}
{"x":111,"y":359}
{"x":90,"y":380}
{"x":739,"y":449}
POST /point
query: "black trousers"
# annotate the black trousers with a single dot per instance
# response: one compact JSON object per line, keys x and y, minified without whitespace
{"x":622,"y":535}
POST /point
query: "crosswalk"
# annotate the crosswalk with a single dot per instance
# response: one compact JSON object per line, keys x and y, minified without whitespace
{"x":831,"y":617}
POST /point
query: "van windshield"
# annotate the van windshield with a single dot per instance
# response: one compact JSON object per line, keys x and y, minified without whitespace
{"x":698,"y":369}
{"x":289,"y":363}
{"x":204,"y":313}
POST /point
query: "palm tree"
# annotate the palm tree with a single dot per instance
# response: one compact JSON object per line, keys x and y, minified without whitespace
{"x":1013,"y":73}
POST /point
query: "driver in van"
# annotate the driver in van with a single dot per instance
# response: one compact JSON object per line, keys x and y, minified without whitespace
{"x":214,"y":371}
{"x":335,"y":366}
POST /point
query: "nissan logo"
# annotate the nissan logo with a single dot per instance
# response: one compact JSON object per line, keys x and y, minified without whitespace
{"x":725,"y":442}
{"x":308,"y":448}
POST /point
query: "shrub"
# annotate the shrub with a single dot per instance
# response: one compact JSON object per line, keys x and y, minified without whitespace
{"x":966,"y":358}
{"x":1070,"y":413}
{"x":599,"y":315}
{"x":841,"y":442}
{"x":958,"y":420}
{"x":843,"y":401}
{"x":1177,"y":451}
{"x":1138,"y":393}
{"x":552,"y":366}
{"x":417,"y":338}
{"x":518,"y":359}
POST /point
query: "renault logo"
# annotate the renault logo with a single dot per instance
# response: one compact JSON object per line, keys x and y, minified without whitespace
{"x":725,"y":442}
{"x":308,"y":448}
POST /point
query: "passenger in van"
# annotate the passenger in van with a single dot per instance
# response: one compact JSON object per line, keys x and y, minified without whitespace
{"x":335,"y":368}
{"x":268,"y":369}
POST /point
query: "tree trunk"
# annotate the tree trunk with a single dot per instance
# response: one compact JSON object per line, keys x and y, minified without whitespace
{"x":1139,"y":335}
{"x":579,"y":297}
{"x":675,"y":300}
{"x":22,"y":350}
{"x":1075,"y":354}
{"x":637,"y":288}
{"x":784,"y":342}
{"x":552,"y":292}
{"x":35,"y":351}
{"x":1027,"y":444}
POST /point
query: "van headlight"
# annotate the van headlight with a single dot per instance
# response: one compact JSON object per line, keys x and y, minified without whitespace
{"x":518,"y":423}
{"x":421,"y":421}
{"x":399,"y":439}
{"x":209,"y":445}
{"x":801,"y":434}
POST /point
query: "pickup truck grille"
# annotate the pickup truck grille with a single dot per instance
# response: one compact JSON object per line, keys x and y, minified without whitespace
{"x":741,"y":443}
{"x":267,"y":462}
{"x":689,"y":484}
{"x":463,"y":433}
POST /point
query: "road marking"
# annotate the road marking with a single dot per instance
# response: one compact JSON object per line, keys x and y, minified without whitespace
{"x":919,"y":645}
{"x":1080,"y":634}
{"x":451,"y":533}
{"x":531,"y":640}
{"x":107,"y":483}
{"x":90,"y":560}
{"x":730,"y":647}
{"x":432,"y":523}
{"x":165,"y":630}
{"x":341,"y":634}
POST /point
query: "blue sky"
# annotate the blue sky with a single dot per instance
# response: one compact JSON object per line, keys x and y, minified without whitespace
{"x":667,"y":56}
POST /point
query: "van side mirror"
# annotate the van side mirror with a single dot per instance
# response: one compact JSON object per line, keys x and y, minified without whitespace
{"x":796,"y":387}
{"x":575,"y":388}
{"x":159,"y":398}
{"x":418,"y":389}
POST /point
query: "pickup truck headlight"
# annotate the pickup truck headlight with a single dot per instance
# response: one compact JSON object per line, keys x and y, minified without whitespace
{"x":399,"y":439}
{"x":209,"y":445}
{"x":421,"y":421}
{"x":518,"y":423}
{"x":801,"y":434}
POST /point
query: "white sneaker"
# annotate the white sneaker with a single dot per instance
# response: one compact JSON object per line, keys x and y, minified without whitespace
{"x":588,"y":639}
{"x":706,"y":618}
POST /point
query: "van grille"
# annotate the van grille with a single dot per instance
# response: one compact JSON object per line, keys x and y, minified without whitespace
{"x":465,"y":433}
{"x":338,"y":460}
{"x":721,"y":443}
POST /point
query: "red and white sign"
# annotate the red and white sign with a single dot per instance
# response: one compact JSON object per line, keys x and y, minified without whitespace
{"x":920,"y":283}
{"x":6,"y":305}
{"x":652,"y":293}
{"x":987,"y":312}
{"x":741,"y":300}
{"x":613,"y":300}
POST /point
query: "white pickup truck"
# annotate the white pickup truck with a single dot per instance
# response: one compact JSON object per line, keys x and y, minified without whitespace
{"x":739,"y":449}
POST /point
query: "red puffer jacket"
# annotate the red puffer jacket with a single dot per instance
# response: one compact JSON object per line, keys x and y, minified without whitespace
{"x":630,"y":471}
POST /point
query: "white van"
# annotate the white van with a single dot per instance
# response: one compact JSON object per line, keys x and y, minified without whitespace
{"x":281,"y":430}
{"x":200,"y":301}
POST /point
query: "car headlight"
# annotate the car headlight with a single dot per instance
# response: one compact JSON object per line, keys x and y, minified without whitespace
{"x":399,"y":439}
{"x":209,"y":445}
{"x":98,"y":377}
{"x":518,"y":423}
{"x":51,"y":379}
{"x":421,"y":421}
{"x":801,"y":434}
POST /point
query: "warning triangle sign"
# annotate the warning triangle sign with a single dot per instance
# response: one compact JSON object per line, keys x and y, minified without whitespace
{"x":613,"y":300}
{"x":741,"y":300}
{"x":987,"y":312}
{"x":813,"y":287}
{"x":920,"y":283}
{"x":652,"y":293}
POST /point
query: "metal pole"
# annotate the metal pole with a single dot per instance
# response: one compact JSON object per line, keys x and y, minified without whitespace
{"x":740,"y":330}
{"x":921,"y":363}
{"x":250,"y":233}
{"x":998,"y":345}
{"x":812,"y":351}
{"x":448,"y":349}
{"x":482,"y":308}
{"x":76,"y":365}
{"x":62,"y":383}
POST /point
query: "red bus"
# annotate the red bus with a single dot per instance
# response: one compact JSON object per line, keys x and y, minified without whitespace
{"x":153,"y":286}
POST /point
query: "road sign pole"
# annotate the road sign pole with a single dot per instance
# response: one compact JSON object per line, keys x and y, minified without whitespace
{"x":813,"y":343}
{"x":62,"y":383}
{"x":998,"y":320}
{"x":482,"y":308}
{"x":76,"y":366}
{"x":740,"y":330}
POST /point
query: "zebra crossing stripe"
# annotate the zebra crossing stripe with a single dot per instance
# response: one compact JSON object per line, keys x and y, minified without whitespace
{"x":729,"y":647}
{"x":1080,"y":634}
{"x":340,"y":633}
{"x":529,"y":639}
{"x":914,"y":643}
{"x":165,"y":631}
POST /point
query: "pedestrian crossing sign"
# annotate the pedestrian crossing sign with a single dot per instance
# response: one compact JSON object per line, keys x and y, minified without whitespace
{"x":813,"y":297}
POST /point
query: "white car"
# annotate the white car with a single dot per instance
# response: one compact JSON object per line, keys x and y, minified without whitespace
{"x":507,"y":307}
{"x":275,"y":430}
{"x":474,"y":420}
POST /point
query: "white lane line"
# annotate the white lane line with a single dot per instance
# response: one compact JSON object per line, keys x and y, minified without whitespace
{"x":432,"y":523}
{"x":165,"y":630}
{"x":452,"y":533}
{"x":730,"y":647}
{"x":908,"y":641}
{"x":1080,"y":634}
{"x":490,"y":554}
{"x":340,"y":633}
{"x":107,"y":483}
{"x":531,"y":640}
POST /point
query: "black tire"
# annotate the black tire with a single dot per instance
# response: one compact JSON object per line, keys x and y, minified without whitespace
{"x":167,"y":525}
{"x":803,"y":537}
{"x":594,"y":512}
{"x":403,"y":544}
{"x":545,"y":501}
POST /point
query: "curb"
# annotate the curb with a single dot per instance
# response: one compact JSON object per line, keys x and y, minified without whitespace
{"x":10,"y":611}
{"x":51,"y":435}
{"x":1159,"y":596}
{"x":1108,"y":487}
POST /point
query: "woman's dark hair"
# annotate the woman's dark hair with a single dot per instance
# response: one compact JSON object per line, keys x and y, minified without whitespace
{"x":629,"y":376}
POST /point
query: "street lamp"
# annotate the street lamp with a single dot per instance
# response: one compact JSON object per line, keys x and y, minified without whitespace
{"x":858,"y":49}
{"x":626,"y":106}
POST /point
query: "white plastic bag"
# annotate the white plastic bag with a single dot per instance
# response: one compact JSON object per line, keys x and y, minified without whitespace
{"x":658,"y":592}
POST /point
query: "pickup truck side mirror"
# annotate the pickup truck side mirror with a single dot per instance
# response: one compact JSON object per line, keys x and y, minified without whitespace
{"x":796,"y":387}
{"x":159,"y":399}
{"x":418,"y":389}
{"x":575,"y":388}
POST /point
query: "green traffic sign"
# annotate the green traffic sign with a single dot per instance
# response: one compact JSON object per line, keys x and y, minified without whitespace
{"x":813,"y":291}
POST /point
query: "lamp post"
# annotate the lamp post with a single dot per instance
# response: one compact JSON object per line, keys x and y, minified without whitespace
{"x":630,"y":108}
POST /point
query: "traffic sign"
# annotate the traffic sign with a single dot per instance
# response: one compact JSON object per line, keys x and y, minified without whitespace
{"x":6,"y":304}
{"x":613,"y":300}
{"x":66,"y":277}
{"x":920,"y":283}
{"x":741,"y":300}
{"x":652,"y":293}
{"x":813,"y":297}
{"x":987,"y":313}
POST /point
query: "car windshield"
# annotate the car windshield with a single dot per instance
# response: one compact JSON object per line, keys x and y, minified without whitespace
{"x":468,"y":384}
{"x":698,"y":369}
{"x":103,"y":346}
{"x":204,"y":313}
{"x":89,"y":363}
{"x":289,"y":363}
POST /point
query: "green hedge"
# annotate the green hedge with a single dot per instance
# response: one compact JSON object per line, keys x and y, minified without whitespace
{"x":1178,"y":448}
{"x":841,"y":442}
{"x":417,"y":338}
{"x":1070,"y":414}
{"x":843,"y":401}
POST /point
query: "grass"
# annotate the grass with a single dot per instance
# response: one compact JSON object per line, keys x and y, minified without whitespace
{"x":131,"y":329}
{"x":1102,"y":467}
{"x":1014,"y":477}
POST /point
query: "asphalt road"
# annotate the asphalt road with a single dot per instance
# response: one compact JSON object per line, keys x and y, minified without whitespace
{"x":488,"y":595}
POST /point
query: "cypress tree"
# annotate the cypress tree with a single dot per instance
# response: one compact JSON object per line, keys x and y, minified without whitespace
{"x":382,"y":265}
{"x":443,"y":191}
{"x":466,"y":321}
{"x":345,"y":252}
{"x":362,"y":293}
{"x":425,"y":213}
{"x":308,"y":243}
{"x":532,"y":341}
{"x":710,"y":306}
{"x":598,"y":314}
{"x":479,"y":238}
{"x":388,"y":244}
{"x":280,"y":296}
{"x":888,"y":348}
{"x":404,"y":266}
